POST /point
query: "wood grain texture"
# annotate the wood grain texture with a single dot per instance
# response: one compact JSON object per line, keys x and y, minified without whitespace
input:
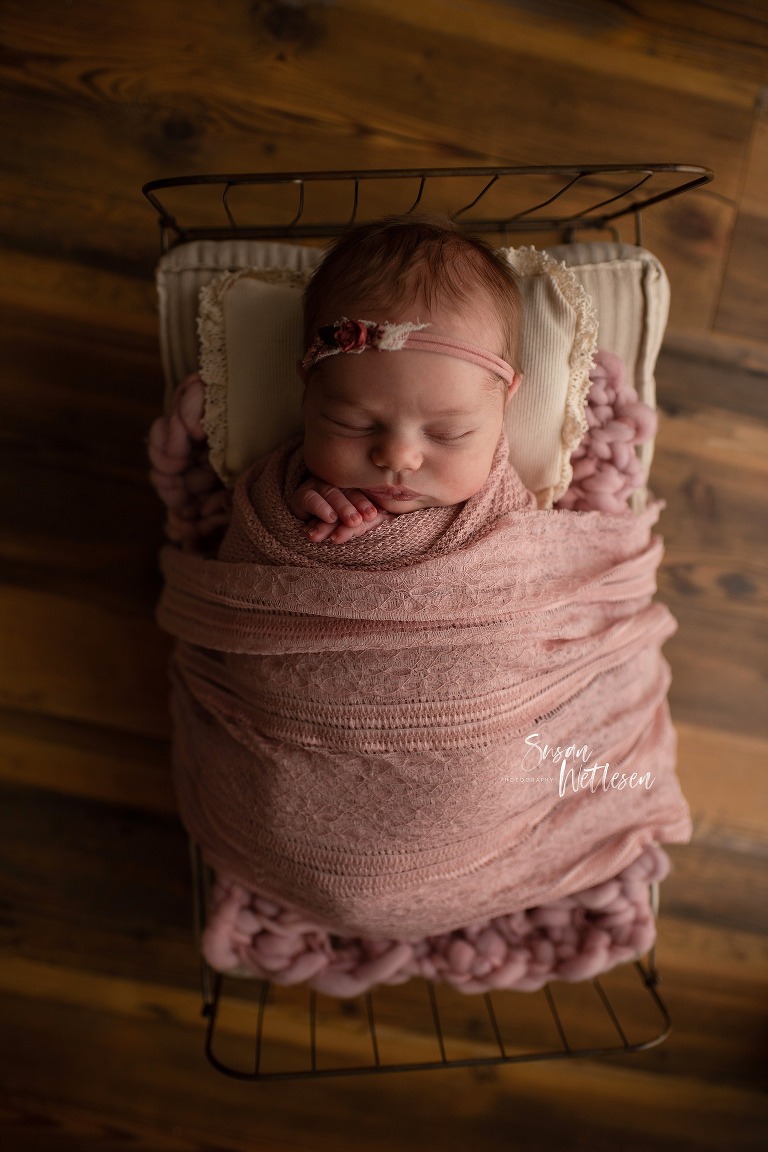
{"x":743,"y":309}
{"x":98,"y":971}
{"x":86,"y":760}
{"x":150,"y":1031}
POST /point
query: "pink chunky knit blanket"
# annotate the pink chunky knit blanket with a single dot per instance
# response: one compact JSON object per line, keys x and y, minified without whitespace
{"x":574,"y":938}
{"x":453,"y":719}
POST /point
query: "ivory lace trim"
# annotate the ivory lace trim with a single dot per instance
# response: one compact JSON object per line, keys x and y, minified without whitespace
{"x":529,"y":261}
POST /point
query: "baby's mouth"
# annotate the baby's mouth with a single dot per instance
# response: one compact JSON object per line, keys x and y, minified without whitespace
{"x":392,"y":492}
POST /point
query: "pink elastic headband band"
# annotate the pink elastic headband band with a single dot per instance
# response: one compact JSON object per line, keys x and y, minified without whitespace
{"x":357,"y":335}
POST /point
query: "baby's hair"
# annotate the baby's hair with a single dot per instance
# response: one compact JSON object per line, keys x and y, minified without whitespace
{"x":417,"y":258}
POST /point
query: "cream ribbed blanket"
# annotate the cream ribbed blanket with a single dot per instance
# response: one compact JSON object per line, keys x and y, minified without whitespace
{"x":354,"y":724}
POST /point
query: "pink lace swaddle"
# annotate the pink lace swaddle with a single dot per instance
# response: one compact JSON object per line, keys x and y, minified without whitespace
{"x":572,"y":938}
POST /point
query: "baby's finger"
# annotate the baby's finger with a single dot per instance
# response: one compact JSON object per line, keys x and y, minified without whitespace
{"x":318,"y":531}
{"x":342,"y":506}
{"x":361,"y":502}
{"x":343,"y":532}
{"x":315,"y":505}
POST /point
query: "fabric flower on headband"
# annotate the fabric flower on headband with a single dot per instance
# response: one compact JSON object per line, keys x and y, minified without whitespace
{"x":349,"y":335}
{"x":357,"y":335}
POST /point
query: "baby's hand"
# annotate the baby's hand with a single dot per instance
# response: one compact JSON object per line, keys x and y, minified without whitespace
{"x":335,"y":514}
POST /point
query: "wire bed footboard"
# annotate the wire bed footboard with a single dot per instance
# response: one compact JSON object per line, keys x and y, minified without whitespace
{"x":256,"y":1030}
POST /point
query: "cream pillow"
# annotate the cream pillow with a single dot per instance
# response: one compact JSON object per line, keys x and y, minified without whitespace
{"x":250,"y":340}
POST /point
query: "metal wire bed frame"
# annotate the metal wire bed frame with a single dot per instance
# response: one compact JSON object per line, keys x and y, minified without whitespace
{"x":629,"y":200}
{"x":648,"y":1013}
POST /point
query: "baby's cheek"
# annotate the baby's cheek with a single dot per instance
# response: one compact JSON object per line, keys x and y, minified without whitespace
{"x":333,"y":461}
{"x":468,"y":477}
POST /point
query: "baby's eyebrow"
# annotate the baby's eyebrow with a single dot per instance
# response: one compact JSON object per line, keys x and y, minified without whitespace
{"x":452,"y":412}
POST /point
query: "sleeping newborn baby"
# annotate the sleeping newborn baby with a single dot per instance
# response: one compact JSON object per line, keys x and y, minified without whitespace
{"x":360,"y":667}
{"x":376,"y":425}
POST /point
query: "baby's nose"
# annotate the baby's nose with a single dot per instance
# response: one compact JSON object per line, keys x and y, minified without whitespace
{"x":397,"y":454}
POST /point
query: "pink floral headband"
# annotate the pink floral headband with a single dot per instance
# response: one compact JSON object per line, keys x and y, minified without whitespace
{"x":357,"y":335}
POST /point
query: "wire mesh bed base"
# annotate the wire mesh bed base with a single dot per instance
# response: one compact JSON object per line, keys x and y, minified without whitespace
{"x":256,"y":1030}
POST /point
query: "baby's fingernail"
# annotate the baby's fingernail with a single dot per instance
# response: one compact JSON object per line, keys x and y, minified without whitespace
{"x":369,"y":510}
{"x":354,"y":517}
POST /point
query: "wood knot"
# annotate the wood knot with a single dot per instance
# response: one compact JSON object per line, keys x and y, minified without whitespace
{"x":681,"y":578}
{"x":701,"y":497}
{"x":288,"y":21}
{"x":737,"y":586}
{"x":694,"y":225}
{"x":179,"y":129}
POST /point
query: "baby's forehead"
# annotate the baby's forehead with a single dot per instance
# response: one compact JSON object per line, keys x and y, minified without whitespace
{"x":359,"y":381}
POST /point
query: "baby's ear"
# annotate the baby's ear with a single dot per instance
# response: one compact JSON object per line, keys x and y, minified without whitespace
{"x":513,"y":387}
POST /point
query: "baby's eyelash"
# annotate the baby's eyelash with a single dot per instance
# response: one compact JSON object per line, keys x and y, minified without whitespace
{"x":367,"y":429}
{"x":448,"y":437}
{"x":350,"y":427}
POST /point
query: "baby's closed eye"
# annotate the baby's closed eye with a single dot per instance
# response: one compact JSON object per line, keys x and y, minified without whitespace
{"x":342,"y":425}
{"x":449,"y":436}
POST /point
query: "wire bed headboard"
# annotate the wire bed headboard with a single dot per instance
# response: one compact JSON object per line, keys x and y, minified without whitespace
{"x":560,"y":198}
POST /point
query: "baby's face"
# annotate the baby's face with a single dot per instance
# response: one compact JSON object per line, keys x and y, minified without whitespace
{"x":412,"y":429}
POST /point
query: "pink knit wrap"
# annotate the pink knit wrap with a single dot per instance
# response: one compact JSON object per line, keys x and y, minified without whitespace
{"x":351,"y":720}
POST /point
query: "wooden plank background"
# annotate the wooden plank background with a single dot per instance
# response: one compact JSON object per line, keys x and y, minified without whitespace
{"x":102,"y":1042}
